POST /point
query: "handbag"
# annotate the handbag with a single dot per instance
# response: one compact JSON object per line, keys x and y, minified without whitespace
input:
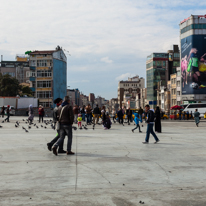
{"x":58,"y":122}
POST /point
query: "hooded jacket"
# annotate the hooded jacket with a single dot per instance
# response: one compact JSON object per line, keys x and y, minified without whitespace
{"x":136,"y":119}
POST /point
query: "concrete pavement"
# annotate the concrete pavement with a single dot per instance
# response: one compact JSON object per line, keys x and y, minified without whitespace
{"x":110,"y":167}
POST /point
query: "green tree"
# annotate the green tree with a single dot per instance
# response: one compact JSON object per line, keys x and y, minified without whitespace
{"x":9,"y":86}
{"x":25,"y":90}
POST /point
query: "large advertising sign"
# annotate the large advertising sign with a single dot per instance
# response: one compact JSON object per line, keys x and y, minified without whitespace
{"x":193,"y":64}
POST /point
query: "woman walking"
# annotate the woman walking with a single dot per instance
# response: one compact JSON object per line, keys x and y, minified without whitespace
{"x":41,"y":113}
{"x":197,"y":117}
{"x":157,"y":120}
{"x":31,"y":113}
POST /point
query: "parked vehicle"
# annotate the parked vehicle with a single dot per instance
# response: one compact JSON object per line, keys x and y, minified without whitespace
{"x":200,"y":106}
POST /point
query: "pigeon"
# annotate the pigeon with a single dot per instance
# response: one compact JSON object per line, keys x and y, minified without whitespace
{"x":34,"y":124}
{"x":29,"y":127}
{"x":42,"y":126}
{"x":75,"y":128}
{"x":2,"y":122}
{"x":142,"y":125}
{"x":26,"y":130}
{"x":26,"y":122}
{"x":85,"y":128}
{"x":45,"y":127}
{"x":37,"y":127}
{"x":16,"y":125}
{"x":23,"y":119}
{"x":80,"y":128}
{"x":0,"y":126}
{"x":23,"y":128}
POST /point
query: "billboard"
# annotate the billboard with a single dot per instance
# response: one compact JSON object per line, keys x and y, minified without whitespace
{"x":193,"y":64}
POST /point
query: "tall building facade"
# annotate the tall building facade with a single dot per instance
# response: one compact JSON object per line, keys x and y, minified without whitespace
{"x":48,"y":75}
{"x":193,"y":58}
{"x":129,"y":89}
{"x":157,"y":70}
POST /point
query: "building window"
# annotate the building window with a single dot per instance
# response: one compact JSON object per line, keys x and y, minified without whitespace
{"x":178,"y":83}
{"x":159,"y":63}
{"x":178,"y":73}
{"x":176,"y":63}
{"x":12,"y":74}
{"x":44,"y":84}
{"x":178,"y":93}
{"x":44,"y":94}
{"x":41,"y":63}
{"x":176,"y":55}
{"x":33,"y":63}
{"x":30,"y":74}
{"x":44,"y":73}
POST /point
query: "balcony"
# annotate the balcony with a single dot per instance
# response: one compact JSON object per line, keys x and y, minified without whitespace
{"x":32,"y":79}
{"x":32,"y":89}
{"x":32,"y":68}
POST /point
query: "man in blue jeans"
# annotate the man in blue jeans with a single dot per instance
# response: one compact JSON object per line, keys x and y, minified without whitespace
{"x":150,"y":124}
{"x":66,"y":118}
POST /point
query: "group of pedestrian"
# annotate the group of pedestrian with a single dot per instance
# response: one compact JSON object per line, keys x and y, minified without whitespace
{"x":63,"y":116}
{"x":185,"y":115}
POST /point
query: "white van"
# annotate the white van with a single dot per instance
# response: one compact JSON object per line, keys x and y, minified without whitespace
{"x":200,"y":106}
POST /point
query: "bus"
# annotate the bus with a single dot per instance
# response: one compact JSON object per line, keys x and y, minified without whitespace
{"x":200,"y":106}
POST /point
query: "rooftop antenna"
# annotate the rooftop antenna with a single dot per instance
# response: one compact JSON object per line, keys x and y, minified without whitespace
{"x":67,"y":52}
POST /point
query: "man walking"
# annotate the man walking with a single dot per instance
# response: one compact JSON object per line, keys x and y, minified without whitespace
{"x":150,"y":124}
{"x":96,"y":112}
{"x":129,"y":115}
{"x":66,"y":119}
{"x":8,"y":113}
{"x":58,"y":102}
{"x":120,"y":116}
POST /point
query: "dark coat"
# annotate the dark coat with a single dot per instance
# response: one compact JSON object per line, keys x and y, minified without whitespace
{"x":158,"y":127}
{"x":67,"y":117}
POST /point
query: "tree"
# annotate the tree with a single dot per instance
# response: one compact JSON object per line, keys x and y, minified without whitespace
{"x":25,"y":90}
{"x":9,"y":86}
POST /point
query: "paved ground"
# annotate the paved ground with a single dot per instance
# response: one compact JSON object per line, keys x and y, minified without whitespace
{"x":111,"y":167}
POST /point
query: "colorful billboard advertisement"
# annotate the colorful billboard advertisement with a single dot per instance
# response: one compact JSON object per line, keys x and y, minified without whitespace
{"x":193,"y":64}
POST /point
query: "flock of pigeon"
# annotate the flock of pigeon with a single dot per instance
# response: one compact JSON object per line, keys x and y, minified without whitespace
{"x":46,"y":124}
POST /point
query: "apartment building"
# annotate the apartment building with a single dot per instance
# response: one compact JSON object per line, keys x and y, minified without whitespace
{"x":48,"y":75}
{"x":17,"y":69}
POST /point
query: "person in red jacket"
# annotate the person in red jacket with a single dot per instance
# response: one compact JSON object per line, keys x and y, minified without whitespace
{"x":41,"y":113}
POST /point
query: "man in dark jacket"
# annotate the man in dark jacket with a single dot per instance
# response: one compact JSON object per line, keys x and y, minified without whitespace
{"x":66,"y":119}
{"x":96,"y":114}
{"x":140,"y":112}
{"x":120,"y":116}
{"x":58,"y":102}
{"x":129,"y":115}
{"x":150,"y":124}
{"x":8,"y":113}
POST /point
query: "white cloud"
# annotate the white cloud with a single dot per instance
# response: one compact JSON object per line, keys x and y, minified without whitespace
{"x":122,"y":32}
{"x":106,"y":60}
{"x":124,"y":76}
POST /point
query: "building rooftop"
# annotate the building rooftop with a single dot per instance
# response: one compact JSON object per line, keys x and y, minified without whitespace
{"x":43,"y":52}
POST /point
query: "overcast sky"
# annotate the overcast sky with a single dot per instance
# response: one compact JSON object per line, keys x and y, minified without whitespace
{"x":108,"y":40}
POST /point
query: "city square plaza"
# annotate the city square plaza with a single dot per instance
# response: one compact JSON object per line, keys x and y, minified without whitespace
{"x":110,"y":167}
